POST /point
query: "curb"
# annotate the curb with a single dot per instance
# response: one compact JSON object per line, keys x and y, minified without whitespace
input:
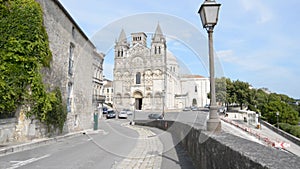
{"x":37,"y":143}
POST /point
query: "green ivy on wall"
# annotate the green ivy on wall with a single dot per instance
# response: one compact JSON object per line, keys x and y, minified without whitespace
{"x":24,"y":50}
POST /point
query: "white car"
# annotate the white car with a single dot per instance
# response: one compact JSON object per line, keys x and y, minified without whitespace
{"x":128,"y":111}
{"x":122,"y":115}
{"x":222,"y":109}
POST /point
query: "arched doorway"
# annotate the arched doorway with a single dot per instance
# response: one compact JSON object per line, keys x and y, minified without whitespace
{"x":138,"y":96}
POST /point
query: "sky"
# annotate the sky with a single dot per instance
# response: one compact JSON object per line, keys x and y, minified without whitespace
{"x":255,"y":41}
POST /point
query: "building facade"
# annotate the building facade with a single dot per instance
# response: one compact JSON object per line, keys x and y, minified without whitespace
{"x":76,"y":67}
{"x":148,"y":78}
{"x":195,"y":89}
{"x":108,"y":91}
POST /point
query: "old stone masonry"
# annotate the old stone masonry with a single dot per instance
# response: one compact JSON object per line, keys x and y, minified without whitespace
{"x":147,"y":154}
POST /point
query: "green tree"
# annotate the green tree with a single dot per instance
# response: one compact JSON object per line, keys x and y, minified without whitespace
{"x":261,"y":98}
{"x":286,"y":113}
{"x":230,"y":92}
{"x":221,"y":90}
{"x":241,"y":92}
{"x":252,"y":100}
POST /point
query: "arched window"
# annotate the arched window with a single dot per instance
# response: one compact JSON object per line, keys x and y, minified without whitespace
{"x":159,"y":50}
{"x":155,"y":50}
{"x":138,"y":78}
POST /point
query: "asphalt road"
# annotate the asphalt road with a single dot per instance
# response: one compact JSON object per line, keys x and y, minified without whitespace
{"x":96,"y":150}
{"x":107,"y":148}
{"x":194,"y":118}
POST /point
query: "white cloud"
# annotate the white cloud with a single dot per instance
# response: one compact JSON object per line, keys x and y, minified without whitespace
{"x":258,"y":6}
{"x":226,"y":55}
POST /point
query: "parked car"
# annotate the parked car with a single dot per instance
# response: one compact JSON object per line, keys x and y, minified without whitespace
{"x":206,"y":106}
{"x":110,"y":114}
{"x":187,"y":109}
{"x":128,"y":111}
{"x":122,"y":115}
{"x":194,"y":108}
{"x":222,"y":109}
{"x":155,"y":116}
{"x":104,"y":110}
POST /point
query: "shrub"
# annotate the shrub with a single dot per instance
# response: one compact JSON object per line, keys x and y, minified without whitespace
{"x":292,"y":129}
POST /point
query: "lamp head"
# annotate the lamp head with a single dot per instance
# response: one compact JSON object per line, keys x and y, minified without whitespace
{"x":209,"y":12}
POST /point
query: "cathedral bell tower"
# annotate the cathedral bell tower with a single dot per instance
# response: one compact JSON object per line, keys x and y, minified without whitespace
{"x":158,"y":45}
{"x":121,"y":45}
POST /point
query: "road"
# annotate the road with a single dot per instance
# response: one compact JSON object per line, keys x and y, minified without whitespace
{"x":194,"y":118}
{"x":115,"y":145}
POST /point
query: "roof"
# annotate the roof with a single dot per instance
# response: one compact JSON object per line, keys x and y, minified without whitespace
{"x":158,"y":30}
{"x":108,"y":84}
{"x":122,"y":36}
{"x":158,"y":35}
{"x":192,"y":76}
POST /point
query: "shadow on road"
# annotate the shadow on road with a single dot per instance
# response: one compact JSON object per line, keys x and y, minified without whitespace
{"x":174,"y":155}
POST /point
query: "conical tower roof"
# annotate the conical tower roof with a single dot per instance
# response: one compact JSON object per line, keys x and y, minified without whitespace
{"x":158,"y":31}
{"x":158,"y":35}
{"x":122,"y":37}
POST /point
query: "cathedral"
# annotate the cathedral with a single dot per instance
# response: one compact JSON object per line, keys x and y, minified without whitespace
{"x":148,"y":78}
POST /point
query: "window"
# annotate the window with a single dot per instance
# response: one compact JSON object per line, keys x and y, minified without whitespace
{"x":69,"y":99}
{"x":196,"y":89}
{"x":107,"y":90}
{"x":138,"y":78}
{"x":155,"y":50}
{"x":71,"y":61}
{"x":159,"y":50}
{"x":73,"y":31}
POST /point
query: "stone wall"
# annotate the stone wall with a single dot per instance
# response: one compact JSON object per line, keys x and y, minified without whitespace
{"x":7,"y":129}
{"x":224,"y":150}
{"x":77,"y":87}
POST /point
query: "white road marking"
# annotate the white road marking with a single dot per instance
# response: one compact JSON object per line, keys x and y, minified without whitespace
{"x":22,"y":163}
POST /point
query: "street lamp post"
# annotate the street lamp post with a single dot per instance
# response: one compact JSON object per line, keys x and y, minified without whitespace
{"x":277,"y":114}
{"x":208,"y":12}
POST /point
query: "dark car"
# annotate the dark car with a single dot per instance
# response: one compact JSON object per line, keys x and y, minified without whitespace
{"x":110,"y":114}
{"x":104,"y":110}
{"x":155,"y":116}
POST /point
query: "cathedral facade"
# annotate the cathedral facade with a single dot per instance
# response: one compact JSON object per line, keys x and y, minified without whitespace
{"x":148,"y":78}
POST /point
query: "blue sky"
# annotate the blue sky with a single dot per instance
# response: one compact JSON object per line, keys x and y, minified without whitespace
{"x":255,"y":41}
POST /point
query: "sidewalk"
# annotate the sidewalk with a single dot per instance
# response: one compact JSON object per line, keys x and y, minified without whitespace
{"x":265,"y":135}
{"x":17,"y":147}
{"x":146,"y":154}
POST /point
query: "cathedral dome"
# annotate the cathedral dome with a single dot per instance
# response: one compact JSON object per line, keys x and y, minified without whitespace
{"x":171,"y":59}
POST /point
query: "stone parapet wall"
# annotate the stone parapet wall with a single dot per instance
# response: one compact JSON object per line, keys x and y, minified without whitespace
{"x":224,"y":150}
